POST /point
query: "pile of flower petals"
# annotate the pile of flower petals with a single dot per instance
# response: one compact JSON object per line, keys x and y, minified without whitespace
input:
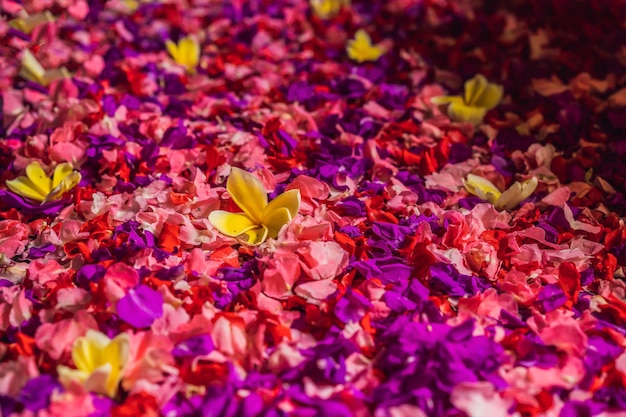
{"x":393,"y":292}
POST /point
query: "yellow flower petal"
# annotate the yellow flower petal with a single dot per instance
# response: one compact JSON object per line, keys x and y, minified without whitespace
{"x":490,"y":96}
{"x":231,"y":224}
{"x":325,"y":9}
{"x":38,"y":177}
{"x":189,"y":52}
{"x":25,"y":187}
{"x":116,"y":355}
{"x":69,"y":182}
{"x":289,"y":199}
{"x":67,"y":375}
{"x":99,"y":362}
{"x":255,"y":236}
{"x":275,"y":220}
{"x":85,"y":355}
{"x":60,"y":173}
{"x":172,"y":49}
{"x":248,"y":192}
{"x":474,"y":88}
{"x":31,"y":68}
{"x":360,"y":49}
{"x":517,"y":193}
{"x":481,"y":187}
{"x":101,"y":382}
{"x":460,"y":112}
{"x":27,"y":24}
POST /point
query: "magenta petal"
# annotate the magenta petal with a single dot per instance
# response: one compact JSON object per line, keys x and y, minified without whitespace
{"x":141,"y":306}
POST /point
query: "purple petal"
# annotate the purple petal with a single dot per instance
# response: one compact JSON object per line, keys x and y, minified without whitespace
{"x":141,"y":306}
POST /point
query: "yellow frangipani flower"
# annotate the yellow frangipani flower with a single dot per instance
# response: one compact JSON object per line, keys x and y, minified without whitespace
{"x":38,"y":186}
{"x":508,"y":200}
{"x":33,"y":71}
{"x":479,"y":97}
{"x":27,"y":24}
{"x":186,"y":53}
{"x":99,"y":362}
{"x":325,"y":9}
{"x":259,"y":219}
{"x":360,"y":49}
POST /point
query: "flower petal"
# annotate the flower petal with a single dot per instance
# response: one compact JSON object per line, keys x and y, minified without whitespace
{"x":66,"y":184}
{"x":60,"y":172}
{"x":516,"y":193}
{"x":25,"y":187}
{"x":446,"y":99}
{"x":39,"y":178}
{"x":490,"y":97}
{"x":474,"y":88}
{"x":172,"y":49}
{"x":100,"y":381}
{"x":289,"y":199}
{"x":461,"y":113}
{"x":361,"y":49}
{"x":231,"y":224}
{"x":189,"y":52}
{"x":275,"y":220}
{"x":31,"y":68}
{"x":117,"y":352}
{"x":27,"y":24}
{"x":481,"y":187}
{"x":254,"y":236}
{"x":85,"y":355}
{"x":248,"y":192}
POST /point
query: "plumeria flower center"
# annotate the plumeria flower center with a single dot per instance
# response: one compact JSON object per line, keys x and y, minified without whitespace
{"x":361,"y":49}
{"x":259,"y":219}
{"x":479,"y":97}
{"x":507,"y":200}
{"x":99,"y":361}
{"x":186,"y":53}
{"x":37,"y":185}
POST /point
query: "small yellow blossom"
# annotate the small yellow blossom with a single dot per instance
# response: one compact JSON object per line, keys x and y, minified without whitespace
{"x":38,"y":186}
{"x":33,"y":71}
{"x":325,"y":9}
{"x":479,"y":97}
{"x":507,"y":200}
{"x":259,"y":219}
{"x":27,"y":24}
{"x":186,"y":53}
{"x":360,"y":49}
{"x":99,"y":362}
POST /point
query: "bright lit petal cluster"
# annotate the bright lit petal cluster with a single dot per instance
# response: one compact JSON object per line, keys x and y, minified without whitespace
{"x":99,"y":362}
{"x":479,"y":97}
{"x":507,"y":200}
{"x":325,"y":9}
{"x":37,"y":185}
{"x":361,"y":49}
{"x":186,"y":53}
{"x":259,"y":219}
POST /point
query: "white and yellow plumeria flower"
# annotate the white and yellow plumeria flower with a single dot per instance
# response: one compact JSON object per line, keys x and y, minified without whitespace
{"x":325,"y":9}
{"x":33,"y":71}
{"x":185,"y":53}
{"x":259,"y":219}
{"x":508,"y":200}
{"x":361,"y":49}
{"x":38,"y":186}
{"x":479,"y":97}
{"x":99,"y":361}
